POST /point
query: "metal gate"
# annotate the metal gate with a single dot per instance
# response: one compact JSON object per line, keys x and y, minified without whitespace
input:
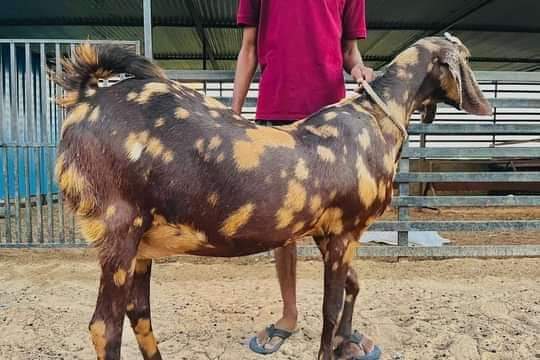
{"x":31,"y":208}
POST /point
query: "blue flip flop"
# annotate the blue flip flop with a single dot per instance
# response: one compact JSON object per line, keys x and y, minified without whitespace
{"x":272,"y":332}
{"x":375,"y":354}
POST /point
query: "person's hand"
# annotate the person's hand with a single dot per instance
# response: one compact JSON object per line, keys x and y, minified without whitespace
{"x":361,"y":72}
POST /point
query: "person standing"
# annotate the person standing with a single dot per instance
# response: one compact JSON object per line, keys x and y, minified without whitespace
{"x":302,"y":48}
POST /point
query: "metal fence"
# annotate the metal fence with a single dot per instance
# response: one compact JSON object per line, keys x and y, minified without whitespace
{"x":31,"y":208}
{"x":32,"y":211}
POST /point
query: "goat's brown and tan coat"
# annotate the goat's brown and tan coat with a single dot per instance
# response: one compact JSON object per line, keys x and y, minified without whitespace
{"x":153,"y":169}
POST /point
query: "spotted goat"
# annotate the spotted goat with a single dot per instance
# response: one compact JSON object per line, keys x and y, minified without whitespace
{"x":153,"y":169}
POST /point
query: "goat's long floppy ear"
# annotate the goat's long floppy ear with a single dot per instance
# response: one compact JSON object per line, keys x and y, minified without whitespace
{"x":461,"y":86}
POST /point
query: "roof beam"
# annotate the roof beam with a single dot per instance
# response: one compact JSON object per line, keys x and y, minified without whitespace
{"x":385,"y":58}
{"x":201,"y":31}
{"x":179,"y":22}
{"x":453,"y":21}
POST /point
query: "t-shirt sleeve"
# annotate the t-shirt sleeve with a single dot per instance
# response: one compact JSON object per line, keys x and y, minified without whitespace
{"x":248,"y":13}
{"x":354,"y":20}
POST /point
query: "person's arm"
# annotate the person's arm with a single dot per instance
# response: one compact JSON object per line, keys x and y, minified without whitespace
{"x":353,"y":64}
{"x":245,"y":68}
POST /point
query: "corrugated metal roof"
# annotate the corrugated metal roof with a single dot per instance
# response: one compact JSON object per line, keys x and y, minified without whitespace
{"x":501,"y":34}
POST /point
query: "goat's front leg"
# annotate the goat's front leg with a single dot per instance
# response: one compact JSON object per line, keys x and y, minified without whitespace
{"x":335,"y":273}
{"x":121,"y":236}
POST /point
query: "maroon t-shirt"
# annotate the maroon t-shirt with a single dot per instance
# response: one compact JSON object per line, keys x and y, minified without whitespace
{"x":299,"y":51}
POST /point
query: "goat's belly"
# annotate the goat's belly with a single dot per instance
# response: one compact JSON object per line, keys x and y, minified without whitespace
{"x":172,"y":239}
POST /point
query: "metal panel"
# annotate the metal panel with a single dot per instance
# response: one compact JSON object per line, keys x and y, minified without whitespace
{"x":476,"y":129}
{"x":441,"y":251}
{"x":503,"y":176}
{"x":491,"y":225}
{"x":462,"y":201}
{"x":472,"y":153}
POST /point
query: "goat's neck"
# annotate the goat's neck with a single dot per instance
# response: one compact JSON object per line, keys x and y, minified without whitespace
{"x":398,"y":88}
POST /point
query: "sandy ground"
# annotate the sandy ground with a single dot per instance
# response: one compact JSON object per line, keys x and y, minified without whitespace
{"x":205,"y":309}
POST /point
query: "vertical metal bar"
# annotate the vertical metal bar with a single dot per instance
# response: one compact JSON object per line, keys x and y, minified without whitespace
{"x":7,"y":209}
{"x":147,"y":14}
{"x":28,"y":137}
{"x":72,"y":219}
{"x":28,"y":134}
{"x":204,"y":52}
{"x":2,"y":110}
{"x":403,"y":212}
{"x":17,"y":193}
{"x":50,"y":205}
{"x":28,"y":203}
{"x":48,"y":139}
{"x":43,"y":93}
{"x":58,"y":127}
{"x":13,"y":93}
{"x":37,"y":159}
{"x":494,"y":137}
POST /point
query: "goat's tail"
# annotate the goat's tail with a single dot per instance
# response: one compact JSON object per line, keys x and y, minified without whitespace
{"x":90,"y":63}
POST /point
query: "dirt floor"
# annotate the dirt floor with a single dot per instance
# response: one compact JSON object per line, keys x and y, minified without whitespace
{"x":206,"y":309}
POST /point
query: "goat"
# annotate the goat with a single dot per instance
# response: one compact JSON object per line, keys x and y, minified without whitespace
{"x":153,"y":168}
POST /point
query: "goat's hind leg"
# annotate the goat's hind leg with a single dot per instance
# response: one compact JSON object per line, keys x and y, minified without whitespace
{"x":120,"y":230}
{"x":138,"y":310}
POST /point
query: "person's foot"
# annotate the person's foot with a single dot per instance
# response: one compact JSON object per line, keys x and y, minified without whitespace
{"x":270,"y":339}
{"x":357,"y":346}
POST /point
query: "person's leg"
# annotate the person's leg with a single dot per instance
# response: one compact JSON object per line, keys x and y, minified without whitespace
{"x":285,"y":258}
{"x":286,"y":271}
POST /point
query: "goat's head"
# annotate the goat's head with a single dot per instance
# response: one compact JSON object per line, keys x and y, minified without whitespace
{"x":449,"y":78}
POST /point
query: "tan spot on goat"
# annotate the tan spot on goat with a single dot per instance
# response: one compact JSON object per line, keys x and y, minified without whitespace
{"x":324,"y":131}
{"x":93,"y":229}
{"x":213,"y":199}
{"x":329,"y":115}
{"x":364,"y":140}
{"x":326,"y":154}
{"x":213,"y":103}
{"x":236,"y":220}
{"x":119,"y":277}
{"x":110,"y":212}
{"x":138,"y":221}
{"x":181,"y":113}
{"x":154,"y":147}
{"x":94,"y":115}
{"x":215,"y":142}
{"x":315,"y":203}
{"x":145,"y":337}
{"x":75,"y":116}
{"x":166,"y":239}
{"x":168,"y":156}
{"x":97,"y":333}
{"x":247,"y":154}
{"x":132,"y":95}
{"x":331,"y":221}
{"x":159,"y":122}
{"x":407,"y":57}
{"x":130,"y":307}
{"x":294,"y":202}
{"x":301,"y":171}
{"x":150,"y":90}
{"x":135,"y":144}
{"x":367,"y":187}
